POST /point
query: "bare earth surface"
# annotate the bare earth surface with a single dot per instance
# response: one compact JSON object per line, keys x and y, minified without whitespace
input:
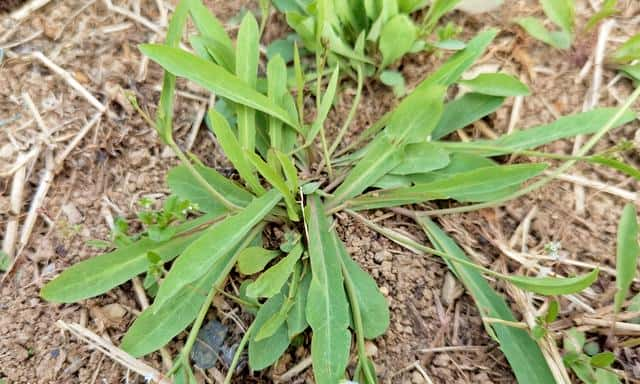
{"x":435,"y":330}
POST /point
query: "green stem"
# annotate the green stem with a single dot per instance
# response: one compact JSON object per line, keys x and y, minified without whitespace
{"x":540,"y":183}
{"x":352,"y":113}
{"x":236,"y":356}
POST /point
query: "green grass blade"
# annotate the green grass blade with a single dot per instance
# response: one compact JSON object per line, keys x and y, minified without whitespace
{"x":554,"y":285}
{"x":247,"y":56}
{"x":214,"y":78}
{"x":535,"y":27}
{"x":522,"y":353}
{"x":561,"y":12}
{"x":276,"y":180}
{"x":327,"y":309}
{"x":627,"y":254}
{"x":325,"y":106}
{"x":233,"y":150}
{"x":417,"y":115}
{"x":496,"y":84}
{"x":421,"y":158}
{"x":99,"y":274}
{"x":277,"y":89}
{"x":271,"y":281}
{"x":160,"y":323}
{"x":289,"y":170}
{"x":183,"y":183}
{"x":214,"y":244}
{"x":465,"y":110}
{"x":213,"y":31}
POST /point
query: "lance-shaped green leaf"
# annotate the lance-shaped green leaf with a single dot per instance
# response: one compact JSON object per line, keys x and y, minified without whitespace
{"x":254,"y":259}
{"x":182,"y":183}
{"x":396,"y":38}
{"x":211,"y":49}
{"x":289,"y":170}
{"x":522,"y":352}
{"x":297,"y":319}
{"x":327,"y":309}
{"x":265,"y":352}
{"x":233,"y":150}
{"x":628,"y":51}
{"x":99,"y":274}
{"x":271,"y":281}
{"x":275,"y":179}
{"x":535,"y":27}
{"x":214,"y":243}
{"x":274,"y":323}
{"x":561,"y":12}
{"x":373,"y":306}
{"x":417,"y":115}
{"x":554,"y":285}
{"x":214,"y":78}
{"x":476,"y":185}
{"x":247,"y":55}
{"x":437,"y":9}
{"x":626,"y":254}
{"x":276,"y":89}
{"x":325,"y":106}
{"x":217,"y":41}
{"x":458,"y":163}
{"x":421,"y":158}
{"x":496,"y":84}
{"x":566,"y":126}
{"x":160,"y":323}
{"x":465,"y":110}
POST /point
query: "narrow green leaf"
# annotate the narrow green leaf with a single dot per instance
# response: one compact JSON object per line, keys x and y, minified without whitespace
{"x":396,"y":38}
{"x":214,"y":78}
{"x":160,"y":323}
{"x":604,"y":376}
{"x":522,"y":353}
{"x":213,"y":244}
{"x":465,"y":110}
{"x":496,"y":84}
{"x":627,"y":254}
{"x":220,"y":45}
{"x":254,"y":259}
{"x":554,"y":285}
{"x":459,"y":163}
{"x":99,"y":274}
{"x":233,"y":150}
{"x":271,"y":281}
{"x":616,"y":164}
{"x":277,"y":89}
{"x":437,"y":9}
{"x":183,"y":184}
{"x":211,"y":49}
{"x":264,"y":353}
{"x":420,"y":158}
{"x":603,"y":359}
{"x":561,"y":12}
{"x":413,"y":120}
{"x":275,"y":179}
{"x":608,"y":9}
{"x":299,"y":76}
{"x":290,"y":171}
{"x":247,"y":56}
{"x":327,"y":309}
{"x":628,"y":51}
{"x":297,"y":320}
{"x":325,"y":105}
{"x":372,"y":304}
{"x":535,"y":28}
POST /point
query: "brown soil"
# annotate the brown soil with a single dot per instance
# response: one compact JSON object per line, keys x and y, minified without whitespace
{"x":121,"y":160}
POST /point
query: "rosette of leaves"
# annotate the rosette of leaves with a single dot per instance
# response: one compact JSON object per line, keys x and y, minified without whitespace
{"x":292,"y":177}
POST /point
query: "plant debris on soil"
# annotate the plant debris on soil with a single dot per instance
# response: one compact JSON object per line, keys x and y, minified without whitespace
{"x":436,"y":332}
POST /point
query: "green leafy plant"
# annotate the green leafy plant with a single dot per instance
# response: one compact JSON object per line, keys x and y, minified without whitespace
{"x":293,"y":178}
{"x":591,"y":368}
{"x":562,"y":14}
{"x":625,"y":58}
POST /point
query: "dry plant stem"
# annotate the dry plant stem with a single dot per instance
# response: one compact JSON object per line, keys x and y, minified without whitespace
{"x":600,"y":186}
{"x":552,"y":175}
{"x":294,"y":371}
{"x":137,"y":18}
{"x":116,"y":354}
{"x":24,"y":11}
{"x":592,"y":101}
{"x":15,"y":201}
{"x":69,"y":79}
{"x":620,"y":328}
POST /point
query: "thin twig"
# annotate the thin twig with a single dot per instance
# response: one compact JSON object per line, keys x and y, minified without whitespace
{"x":294,"y":371}
{"x":24,"y":11}
{"x":15,"y":201}
{"x":131,"y":15}
{"x":595,"y":184}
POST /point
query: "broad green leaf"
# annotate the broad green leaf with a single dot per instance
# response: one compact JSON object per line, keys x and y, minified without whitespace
{"x":523,"y":354}
{"x":395,"y":80}
{"x":561,"y":12}
{"x":459,"y":163}
{"x":213,"y":244}
{"x":374,"y":308}
{"x":382,"y":156}
{"x":632,"y":71}
{"x":626,"y":254}
{"x":535,"y":27}
{"x":421,"y":157}
{"x":271,"y":281}
{"x":164,"y":115}
{"x":496,"y":84}
{"x":449,"y":72}
{"x":158,"y":324}
{"x":554,"y":285}
{"x":325,"y":106}
{"x":603,"y":359}
{"x":275,"y":179}
{"x":396,"y":38}
{"x":265,"y":352}
{"x":465,"y":110}
{"x":408,"y":6}
{"x":469,"y":186}
{"x":254,"y":259}
{"x":566,"y":126}
{"x":99,"y":274}
{"x":392,"y":181}
{"x":327,"y":309}
{"x":604,"y":376}
{"x":413,"y":120}
{"x":628,"y":51}
{"x":282,"y":48}
{"x":214,"y":78}
{"x":182,"y":183}
{"x":247,"y":56}
{"x":297,"y":320}
{"x":233,"y":150}
{"x":574,"y":340}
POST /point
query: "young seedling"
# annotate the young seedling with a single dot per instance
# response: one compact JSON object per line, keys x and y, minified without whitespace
{"x":291,"y":179}
{"x":562,"y":14}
